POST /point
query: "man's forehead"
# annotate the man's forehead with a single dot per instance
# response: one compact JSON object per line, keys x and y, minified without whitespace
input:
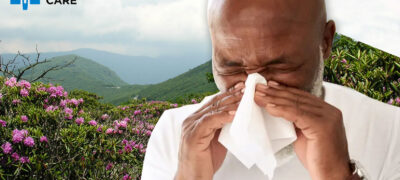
{"x":267,"y":15}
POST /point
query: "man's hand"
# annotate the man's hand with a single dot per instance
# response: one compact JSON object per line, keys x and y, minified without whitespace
{"x":321,"y":143}
{"x":200,"y":153}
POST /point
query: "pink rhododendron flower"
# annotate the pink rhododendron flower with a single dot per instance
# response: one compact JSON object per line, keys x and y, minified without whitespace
{"x":143,"y":151}
{"x":29,"y":142}
{"x":69,"y":116}
{"x":109,"y":166}
{"x":148,"y":133}
{"x":104,"y":116}
{"x":24,"y":84}
{"x":18,"y":135}
{"x":124,"y":141}
{"x":15,"y":156}
{"x":79,"y":120}
{"x":109,"y":131}
{"x":24,"y":92}
{"x":16,"y":101}
{"x":24,"y":160}
{"x":390,"y":101}
{"x":11,"y":82}
{"x":126,"y":177}
{"x":137,"y":112}
{"x":174,"y":105}
{"x":123,"y":124}
{"x":398,"y":100}
{"x":68,"y":111}
{"x":24,"y":118}
{"x":100,"y":128}
{"x":194,"y":101}
{"x":93,"y":123}
{"x":63,"y":103}
{"x":128,"y":148}
{"x":74,"y":102}
{"x":51,"y":108}
{"x":344,"y":61}
{"x":43,"y":139}
{"x":7,"y":148}
{"x":81,"y":111}
{"x":3,"y":123}
{"x":126,"y":119}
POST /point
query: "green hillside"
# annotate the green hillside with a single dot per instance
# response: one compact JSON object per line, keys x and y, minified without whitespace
{"x":84,"y":74}
{"x":192,"y":82}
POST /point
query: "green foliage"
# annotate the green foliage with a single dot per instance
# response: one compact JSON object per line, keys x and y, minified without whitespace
{"x":73,"y":151}
{"x":366,"y":69}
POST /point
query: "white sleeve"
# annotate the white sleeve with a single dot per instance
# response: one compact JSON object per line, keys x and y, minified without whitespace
{"x":392,"y":168}
{"x":161,"y":157}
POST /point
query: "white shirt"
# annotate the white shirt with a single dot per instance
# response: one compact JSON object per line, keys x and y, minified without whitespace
{"x":372,"y":131}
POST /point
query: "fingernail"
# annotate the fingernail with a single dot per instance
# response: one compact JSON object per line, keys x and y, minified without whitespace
{"x":273,"y":83}
{"x":271,"y":105}
{"x":239,"y":85}
{"x":232,"y":112}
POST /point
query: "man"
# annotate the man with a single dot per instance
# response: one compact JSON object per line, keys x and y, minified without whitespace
{"x":286,"y":42}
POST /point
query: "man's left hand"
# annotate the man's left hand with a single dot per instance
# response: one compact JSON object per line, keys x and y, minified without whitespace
{"x":321,"y":143}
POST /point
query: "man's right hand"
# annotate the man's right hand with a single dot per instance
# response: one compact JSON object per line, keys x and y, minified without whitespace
{"x":200,"y":153}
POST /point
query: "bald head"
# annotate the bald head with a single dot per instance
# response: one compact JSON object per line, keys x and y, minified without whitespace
{"x":284,"y":40}
{"x":232,"y":12}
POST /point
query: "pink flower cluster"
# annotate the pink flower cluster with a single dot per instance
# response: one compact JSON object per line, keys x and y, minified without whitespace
{"x":56,"y":91}
{"x":43,"y":139}
{"x":3,"y":123}
{"x":22,"y":135}
{"x":104,"y":116}
{"x":80,"y":120}
{"x":25,"y":85}
{"x":11,"y":82}
{"x":19,"y":135}
{"x":7,"y":148}
{"x":92,"y":123}
{"x":24,"y":118}
{"x":29,"y":141}
{"x":129,"y":145}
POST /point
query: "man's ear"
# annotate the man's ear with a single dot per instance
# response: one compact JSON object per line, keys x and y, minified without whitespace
{"x":329,"y":34}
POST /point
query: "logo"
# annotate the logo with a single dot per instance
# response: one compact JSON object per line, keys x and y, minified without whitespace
{"x":37,"y":2}
{"x":25,"y":3}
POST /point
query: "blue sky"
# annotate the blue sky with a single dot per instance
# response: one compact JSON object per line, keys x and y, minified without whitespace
{"x":164,"y":27}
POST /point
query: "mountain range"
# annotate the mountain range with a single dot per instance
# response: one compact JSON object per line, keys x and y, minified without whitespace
{"x":92,"y":76}
{"x":132,"y":69}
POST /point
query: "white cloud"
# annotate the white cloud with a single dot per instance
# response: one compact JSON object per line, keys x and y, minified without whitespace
{"x":376,"y":23}
{"x":153,"y":27}
{"x":174,"y":21}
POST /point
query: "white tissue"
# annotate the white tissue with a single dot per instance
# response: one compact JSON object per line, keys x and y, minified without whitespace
{"x":254,"y":136}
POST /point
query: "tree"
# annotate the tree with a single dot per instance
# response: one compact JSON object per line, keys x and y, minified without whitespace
{"x":11,"y":67}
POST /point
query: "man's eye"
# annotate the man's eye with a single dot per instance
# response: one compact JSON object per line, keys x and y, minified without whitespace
{"x":229,"y":73}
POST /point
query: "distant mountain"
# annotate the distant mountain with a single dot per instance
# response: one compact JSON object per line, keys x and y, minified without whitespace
{"x":83,"y":74}
{"x":134,"y":69}
{"x":192,"y":81}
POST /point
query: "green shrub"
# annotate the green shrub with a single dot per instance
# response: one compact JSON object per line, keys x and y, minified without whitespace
{"x":109,"y":144}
